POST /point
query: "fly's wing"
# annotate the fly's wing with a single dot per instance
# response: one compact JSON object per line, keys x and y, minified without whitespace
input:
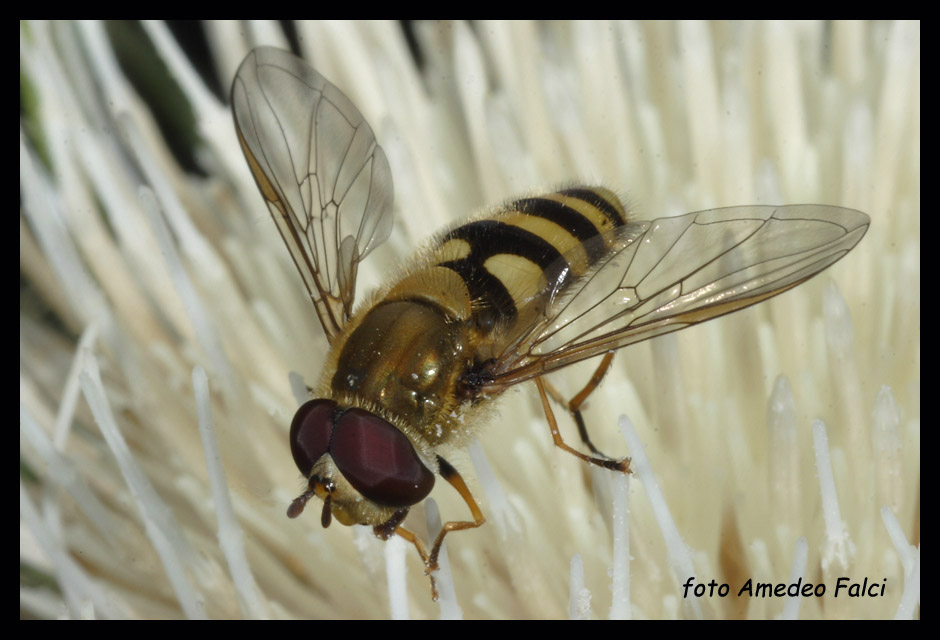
{"x":325,"y":180}
{"x":671,"y":273}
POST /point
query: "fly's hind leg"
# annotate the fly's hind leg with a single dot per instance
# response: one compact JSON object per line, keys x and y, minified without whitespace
{"x":574,"y":405}
{"x":574,"y":408}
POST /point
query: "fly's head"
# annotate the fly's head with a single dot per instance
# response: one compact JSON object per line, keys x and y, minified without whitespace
{"x":363,"y":468}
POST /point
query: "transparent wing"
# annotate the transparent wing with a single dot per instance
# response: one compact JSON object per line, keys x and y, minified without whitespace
{"x":325,"y":180}
{"x":672,"y":273}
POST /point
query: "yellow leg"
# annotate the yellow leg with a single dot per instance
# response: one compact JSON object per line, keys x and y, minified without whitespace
{"x":450,"y":474}
{"x":430,"y":561}
{"x":622,"y":464}
{"x":416,"y":541}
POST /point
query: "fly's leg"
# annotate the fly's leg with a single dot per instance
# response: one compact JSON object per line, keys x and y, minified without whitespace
{"x":393,"y":527}
{"x":456,"y":481}
{"x":416,"y":541}
{"x":430,"y":561}
{"x":574,"y":407}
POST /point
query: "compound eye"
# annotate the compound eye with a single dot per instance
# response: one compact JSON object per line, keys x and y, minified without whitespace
{"x":379,"y":461}
{"x":310,"y":433}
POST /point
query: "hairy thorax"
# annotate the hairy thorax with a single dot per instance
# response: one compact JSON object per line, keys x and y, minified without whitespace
{"x":405,"y":358}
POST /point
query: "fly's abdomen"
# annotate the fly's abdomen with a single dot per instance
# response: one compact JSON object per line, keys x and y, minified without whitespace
{"x":515,"y":261}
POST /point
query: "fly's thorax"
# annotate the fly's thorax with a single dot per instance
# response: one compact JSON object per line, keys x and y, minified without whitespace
{"x":404,"y":359}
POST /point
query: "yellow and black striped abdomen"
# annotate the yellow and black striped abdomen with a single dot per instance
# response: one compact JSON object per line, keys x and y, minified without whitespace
{"x":512,"y":261}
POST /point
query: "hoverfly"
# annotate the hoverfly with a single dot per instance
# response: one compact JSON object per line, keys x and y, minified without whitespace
{"x":533,"y":286}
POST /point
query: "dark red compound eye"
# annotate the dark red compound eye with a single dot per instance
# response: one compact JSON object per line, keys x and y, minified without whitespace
{"x":378,"y":460}
{"x":310,"y":433}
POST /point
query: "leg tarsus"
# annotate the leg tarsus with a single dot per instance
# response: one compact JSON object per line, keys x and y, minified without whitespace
{"x":416,"y":541}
